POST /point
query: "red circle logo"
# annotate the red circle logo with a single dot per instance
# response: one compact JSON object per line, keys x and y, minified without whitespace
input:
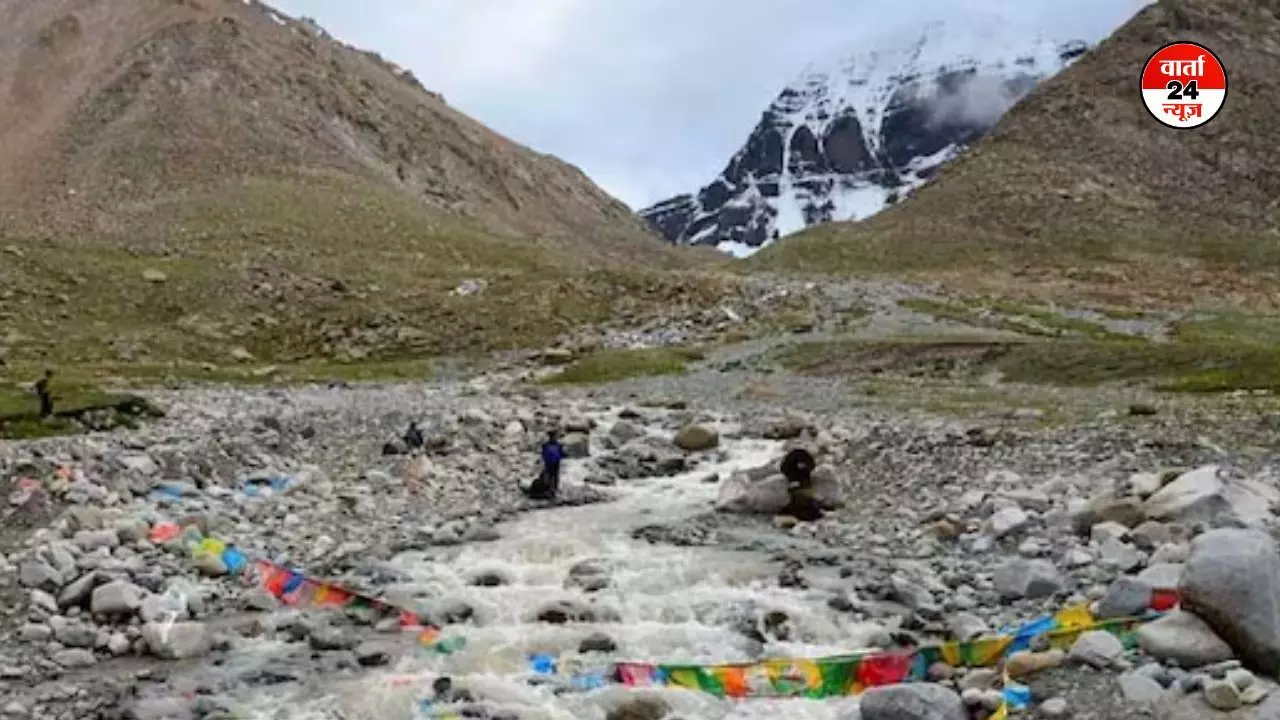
{"x":1184,"y":85}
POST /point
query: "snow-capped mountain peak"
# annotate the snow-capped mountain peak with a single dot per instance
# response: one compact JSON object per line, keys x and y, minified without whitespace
{"x":853,"y":134}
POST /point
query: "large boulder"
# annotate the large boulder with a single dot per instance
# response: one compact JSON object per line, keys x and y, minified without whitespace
{"x":1197,"y":496}
{"x":1232,"y":581}
{"x":1183,"y":639}
{"x":915,"y":701}
{"x":740,"y":494}
{"x":696,"y":438}
{"x":576,"y":445}
{"x":745,"y":495}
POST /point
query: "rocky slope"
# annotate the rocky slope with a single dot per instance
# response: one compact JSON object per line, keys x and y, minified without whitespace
{"x":175,"y":171}
{"x":948,"y":529}
{"x":138,"y":100}
{"x":850,"y":137}
{"x":1077,"y":188}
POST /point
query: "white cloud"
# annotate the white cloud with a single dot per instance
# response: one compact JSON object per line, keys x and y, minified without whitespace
{"x":649,"y":97}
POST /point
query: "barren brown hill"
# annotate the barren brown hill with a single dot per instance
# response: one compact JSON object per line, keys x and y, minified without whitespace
{"x":1078,"y":191}
{"x":276,"y":189}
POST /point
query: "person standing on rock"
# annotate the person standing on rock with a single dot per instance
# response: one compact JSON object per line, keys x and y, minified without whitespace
{"x":45,"y":396}
{"x":797,"y":468}
{"x":552,"y":454}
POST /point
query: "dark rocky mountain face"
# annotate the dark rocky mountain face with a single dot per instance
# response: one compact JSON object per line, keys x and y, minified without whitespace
{"x":846,"y":142}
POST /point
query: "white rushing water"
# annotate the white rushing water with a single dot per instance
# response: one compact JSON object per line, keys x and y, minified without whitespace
{"x":673,"y":604}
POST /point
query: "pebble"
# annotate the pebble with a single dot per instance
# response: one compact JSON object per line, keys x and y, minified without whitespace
{"x":1053,"y":708}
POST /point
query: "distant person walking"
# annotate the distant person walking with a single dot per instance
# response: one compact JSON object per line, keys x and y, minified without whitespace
{"x":43,"y":392}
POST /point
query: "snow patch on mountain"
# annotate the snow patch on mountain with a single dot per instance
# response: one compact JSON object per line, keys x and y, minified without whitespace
{"x":856,"y":133}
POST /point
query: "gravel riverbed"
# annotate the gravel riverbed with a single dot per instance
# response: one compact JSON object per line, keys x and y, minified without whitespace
{"x":947,"y":528}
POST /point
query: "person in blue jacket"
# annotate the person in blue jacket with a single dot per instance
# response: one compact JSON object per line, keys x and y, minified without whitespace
{"x":547,"y":486}
{"x":552,"y":454}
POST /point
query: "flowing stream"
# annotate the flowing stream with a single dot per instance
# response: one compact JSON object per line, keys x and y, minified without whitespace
{"x":660,"y":603}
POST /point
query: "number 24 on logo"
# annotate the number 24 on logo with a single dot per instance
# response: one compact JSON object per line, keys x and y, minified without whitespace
{"x":1177,"y":91}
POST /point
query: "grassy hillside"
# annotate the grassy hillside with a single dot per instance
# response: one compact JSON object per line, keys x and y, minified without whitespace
{"x":1078,"y":193}
{"x":216,"y":183}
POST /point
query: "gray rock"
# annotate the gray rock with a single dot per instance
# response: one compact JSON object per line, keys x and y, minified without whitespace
{"x":1222,"y":695}
{"x":1242,"y":679}
{"x":1128,"y":511}
{"x":331,"y":639}
{"x":118,"y":644}
{"x":372,"y":655}
{"x":640,"y":708}
{"x":75,"y":658}
{"x":116,"y":598}
{"x":44,"y":601}
{"x":93,"y":539}
{"x":1122,"y":556}
{"x":967,"y":626}
{"x":1126,"y":597}
{"x":159,"y":608}
{"x":1171,"y":553}
{"x":916,"y":701}
{"x":1162,"y":576}
{"x":741,"y":494}
{"x":72,"y":633}
{"x":1197,"y":496}
{"x":1151,"y":534}
{"x":1108,"y":530}
{"x":1138,"y":688}
{"x":1175,"y":706}
{"x":35,"y":633}
{"x":39,"y":574}
{"x":1182,"y":638}
{"x":597,"y":643}
{"x":1053,"y":708}
{"x":1098,"y":649}
{"x":77,"y":593}
{"x":697,"y":438}
{"x":576,"y":445}
{"x":81,"y":517}
{"x":624,"y":431}
{"x":1232,"y":581}
{"x":1007,"y":521}
{"x":140,"y":464}
{"x":177,"y":641}
{"x":1144,"y":485}
{"x":261,"y":600}
{"x":1021,"y":578}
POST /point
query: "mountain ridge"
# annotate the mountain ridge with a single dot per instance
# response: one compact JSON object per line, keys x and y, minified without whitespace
{"x":1079,"y":191}
{"x":853,"y":135}
{"x":211,"y":179}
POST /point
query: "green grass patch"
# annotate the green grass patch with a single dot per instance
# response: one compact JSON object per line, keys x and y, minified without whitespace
{"x":612,"y":365}
{"x":1228,"y":328}
{"x":1174,"y":367}
{"x":1119,"y":313}
{"x":1056,"y":321}
{"x":75,"y":407}
{"x":969,"y":315}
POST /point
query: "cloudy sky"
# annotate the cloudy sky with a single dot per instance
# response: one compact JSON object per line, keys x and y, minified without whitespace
{"x":649,"y":97}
